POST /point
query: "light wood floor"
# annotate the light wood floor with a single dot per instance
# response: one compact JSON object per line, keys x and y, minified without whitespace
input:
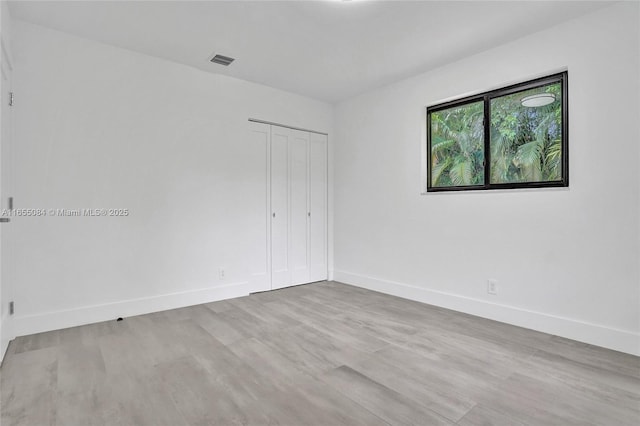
{"x":319,"y":354}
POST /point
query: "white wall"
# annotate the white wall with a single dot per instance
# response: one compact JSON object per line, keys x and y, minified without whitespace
{"x":566,"y":260}
{"x":102,"y":127}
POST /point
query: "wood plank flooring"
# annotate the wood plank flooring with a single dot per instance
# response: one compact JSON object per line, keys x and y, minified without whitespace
{"x":318,"y":354}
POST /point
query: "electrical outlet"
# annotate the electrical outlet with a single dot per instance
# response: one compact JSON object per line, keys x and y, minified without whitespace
{"x":221,"y":273}
{"x":492,"y":287}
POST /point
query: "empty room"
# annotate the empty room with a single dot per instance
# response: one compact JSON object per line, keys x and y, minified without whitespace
{"x":317,"y":213}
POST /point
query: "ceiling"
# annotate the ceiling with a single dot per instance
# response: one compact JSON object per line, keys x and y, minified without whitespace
{"x":328,"y":50}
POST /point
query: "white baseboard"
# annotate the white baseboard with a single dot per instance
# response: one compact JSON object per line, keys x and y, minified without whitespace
{"x":30,"y":324}
{"x":5,"y":336}
{"x":595,"y":334}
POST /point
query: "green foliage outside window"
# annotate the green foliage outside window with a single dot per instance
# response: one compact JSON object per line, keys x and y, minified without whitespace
{"x":457,"y":146}
{"x":525,"y":131}
{"x":526,"y":142}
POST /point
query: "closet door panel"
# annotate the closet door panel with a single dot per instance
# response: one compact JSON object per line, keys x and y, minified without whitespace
{"x":298,"y":212}
{"x":317,"y":207}
{"x":299,"y":178}
{"x":280,"y":271}
{"x":257,"y":225}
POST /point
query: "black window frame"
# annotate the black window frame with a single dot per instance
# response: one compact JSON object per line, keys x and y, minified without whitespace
{"x":486,"y":97}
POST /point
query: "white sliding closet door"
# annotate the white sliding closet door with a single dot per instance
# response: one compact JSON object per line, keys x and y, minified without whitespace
{"x":296,"y":206}
{"x":280,"y":269}
{"x":299,"y":207}
{"x":257,"y":223}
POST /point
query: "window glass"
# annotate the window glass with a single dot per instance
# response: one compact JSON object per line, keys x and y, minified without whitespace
{"x":526,"y":135}
{"x":513,"y":137}
{"x":457,"y":146}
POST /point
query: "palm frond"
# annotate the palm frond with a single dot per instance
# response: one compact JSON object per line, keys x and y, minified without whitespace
{"x":555,"y":151}
{"x":437,"y":170}
{"x":529,"y":154}
{"x":441,"y":145}
{"x":460,"y":172}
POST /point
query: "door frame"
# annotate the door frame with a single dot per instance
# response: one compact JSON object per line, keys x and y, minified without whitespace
{"x":6,"y":152}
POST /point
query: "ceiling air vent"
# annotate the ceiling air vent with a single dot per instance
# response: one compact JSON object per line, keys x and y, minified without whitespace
{"x":222,"y":60}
